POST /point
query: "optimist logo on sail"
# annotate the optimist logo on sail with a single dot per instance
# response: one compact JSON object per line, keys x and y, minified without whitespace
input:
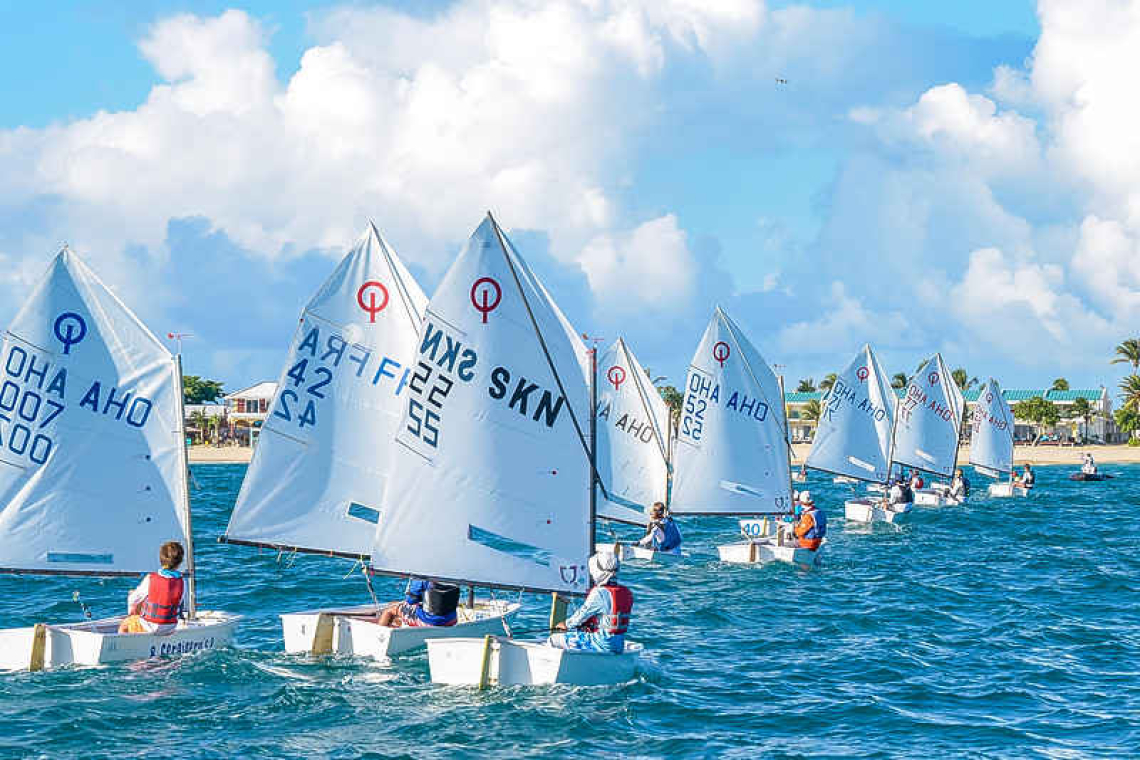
{"x":69,"y":329}
{"x":371,"y":307}
{"x":616,"y":376}
{"x":481,"y":297}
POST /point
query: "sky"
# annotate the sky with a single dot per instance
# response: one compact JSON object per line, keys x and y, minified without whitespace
{"x":957,"y":177}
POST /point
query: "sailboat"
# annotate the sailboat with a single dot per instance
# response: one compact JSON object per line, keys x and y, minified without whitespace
{"x":991,"y":440}
{"x":496,"y":485}
{"x":633,"y":447}
{"x":853,"y":440}
{"x":732,"y":455}
{"x":93,"y":470}
{"x":928,"y":426}
{"x":325,"y":454}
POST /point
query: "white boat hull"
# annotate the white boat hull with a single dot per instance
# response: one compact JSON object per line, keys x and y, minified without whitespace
{"x":934,"y":497}
{"x":1006,"y":490}
{"x":873,"y":510}
{"x":627,"y":552}
{"x":843,"y":479}
{"x":353,"y":631}
{"x":98,"y":642}
{"x":506,"y":662}
{"x":763,"y":551}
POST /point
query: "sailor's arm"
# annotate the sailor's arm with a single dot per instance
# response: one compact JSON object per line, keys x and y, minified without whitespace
{"x":594,"y":605}
{"x":136,"y":598}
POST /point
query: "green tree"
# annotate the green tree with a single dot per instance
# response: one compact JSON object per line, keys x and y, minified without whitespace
{"x":1128,"y":352}
{"x":828,"y":382}
{"x":806,"y":385}
{"x":1060,"y":384}
{"x":1128,"y":420}
{"x":1038,"y":411}
{"x":899,"y":380}
{"x":1082,"y":410}
{"x":811,"y":411}
{"x":196,"y":390}
{"x":1130,"y":392}
{"x":673,"y":399}
{"x":963,"y":380}
{"x":199,"y":420}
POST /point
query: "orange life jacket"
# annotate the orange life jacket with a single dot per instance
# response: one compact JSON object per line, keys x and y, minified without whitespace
{"x":163,"y":599}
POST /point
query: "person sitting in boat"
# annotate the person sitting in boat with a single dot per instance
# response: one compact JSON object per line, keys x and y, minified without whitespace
{"x":899,"y":497}
{"x":426,"y":604}
{"x":662,"y":534}
{"x":812,"y":525}
{"x":1027,"y":479}
{"x":959,"y":486}
{"x":1089,"y":466}
{"x":916,"y":481}
{"x":600,"y":623}
{"x":154,"y":606}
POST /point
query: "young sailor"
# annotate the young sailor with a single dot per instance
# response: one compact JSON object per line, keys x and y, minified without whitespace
{"x":662,"y":534}
{"x":1027,"y":479}
{"x":1089,"y":466}
{"x":959,"y":486}
{"x":812,"y":525}
{"x":603,"y":619}
{"x":916,"y":481}
{"x":426,"y":603}
{"x":154,"y":606}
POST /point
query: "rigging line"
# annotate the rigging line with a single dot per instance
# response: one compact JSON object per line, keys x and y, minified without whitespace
{"x":405,"y":296}
{"x":644,"y":400}
{"x":546,"y":353}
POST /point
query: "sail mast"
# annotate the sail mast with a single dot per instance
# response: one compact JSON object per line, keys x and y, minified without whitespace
{"x":191,"y":581}
{"x":787,"y":442}
{"x":593,"y":444}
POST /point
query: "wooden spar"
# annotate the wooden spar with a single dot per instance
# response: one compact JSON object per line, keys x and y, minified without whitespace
{"x":39,"y":648}
{"x":485,"y":665}
{"x":787,"y":444}
{"x":191,"y":579}
{"x":557,"y":610}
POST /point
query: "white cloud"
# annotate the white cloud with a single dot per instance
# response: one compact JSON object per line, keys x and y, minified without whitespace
{"x":650,"y":266}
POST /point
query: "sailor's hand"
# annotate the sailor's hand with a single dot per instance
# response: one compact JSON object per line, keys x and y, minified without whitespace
{"x":560,"y":626}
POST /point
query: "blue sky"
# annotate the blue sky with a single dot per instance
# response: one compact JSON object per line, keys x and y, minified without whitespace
{"x":926,"y":179}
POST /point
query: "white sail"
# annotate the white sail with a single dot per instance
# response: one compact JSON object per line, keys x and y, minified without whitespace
{"x":731,"y":455}
{"x":492,"y":487}
{"x":929,"y":420}
{"x":92,"y":479}
{"x":633,"y":452}
{"x":991,"y":433}
{"x":854,"y":433}
{"x":325,"y":451}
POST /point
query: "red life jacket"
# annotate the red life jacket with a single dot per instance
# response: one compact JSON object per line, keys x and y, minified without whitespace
{"x":621,"y":605}
{"x":163,"y":599}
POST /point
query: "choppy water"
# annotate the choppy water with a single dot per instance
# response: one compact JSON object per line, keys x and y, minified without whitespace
{"x":1001,"y":628}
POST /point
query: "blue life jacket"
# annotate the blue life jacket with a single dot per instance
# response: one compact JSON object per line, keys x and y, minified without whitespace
{"x":819,"y":524}
{"x":672,"y":538}
{"x":415,"y":591}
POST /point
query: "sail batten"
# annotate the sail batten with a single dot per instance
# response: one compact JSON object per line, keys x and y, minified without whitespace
{"x":320,"y":466}
{"x":731,"y":454}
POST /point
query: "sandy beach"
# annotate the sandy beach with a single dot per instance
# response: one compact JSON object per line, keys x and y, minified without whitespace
{"x":1033,"y":454}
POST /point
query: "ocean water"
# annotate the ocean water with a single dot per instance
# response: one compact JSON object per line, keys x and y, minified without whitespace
{"x":1002,"y":628}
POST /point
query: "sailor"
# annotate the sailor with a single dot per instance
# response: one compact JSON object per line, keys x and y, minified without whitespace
{"x":154,"y":606}
{"x":812,"y":525}
{"x":1027,"y":479}
{"x":916,"y":481}
{"x":600,"y":623}
{"x":426,"y":604}
{"x":1089,"y":466}
{"x":959,"y":487}
{"x":662,"y":534}
{"x":900,"y":496}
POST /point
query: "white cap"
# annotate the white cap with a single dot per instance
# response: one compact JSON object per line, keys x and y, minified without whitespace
{"x":603,"y":567}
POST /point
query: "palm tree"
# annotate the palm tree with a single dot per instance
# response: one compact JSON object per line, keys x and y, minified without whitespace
{"x":811,"y":411}
{"x":200,"y":421}
{"x":828,"y":382}
{"x":1082,"y":410}
{"x":806,"y":385}
{"x":673,"y":399}
{"x":1060,"y":384}
{"x":963,"y":380}
{"x":1130,"y":392}
{"x":1129,"y":353}
{"x":899,"y":380}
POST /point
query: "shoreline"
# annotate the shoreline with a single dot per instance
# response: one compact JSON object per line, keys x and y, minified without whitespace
{"x":1034,"y":455}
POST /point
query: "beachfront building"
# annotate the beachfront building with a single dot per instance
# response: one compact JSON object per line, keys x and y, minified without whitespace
{"x":205,"y":422}
{"x":1100,"y":427}
{"x":247,"y":409}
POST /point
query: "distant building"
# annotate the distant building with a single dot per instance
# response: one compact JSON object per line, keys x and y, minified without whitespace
{"x":204,"y":421}
{"x":247,"y":409}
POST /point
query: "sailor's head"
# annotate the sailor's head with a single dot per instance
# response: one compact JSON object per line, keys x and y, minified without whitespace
{"x":1028,"y":466}
{"x":958,"y":472}
{"x":603,"y":568}
{"x":806,"y":500}
{"x":170,"y":555}
{"x":657,"y":511}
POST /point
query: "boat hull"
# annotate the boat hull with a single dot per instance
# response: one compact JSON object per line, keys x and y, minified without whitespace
{"x":353,"y":631}
{"x":934,"y":497}
{"x":1007,"y":490}
{"x":764,"y":551}
{"x":1084,"y":477}
{"x":872,"y":511}
{"x":506,"y":662}
{"x":98,"y":642}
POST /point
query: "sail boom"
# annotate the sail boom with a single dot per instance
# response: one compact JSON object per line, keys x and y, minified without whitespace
{"x":74,"y":573}
{"x":293,"y":549}
{"x":473,"y":582}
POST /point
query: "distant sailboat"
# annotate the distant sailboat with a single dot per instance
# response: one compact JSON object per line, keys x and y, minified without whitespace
{"x":929,"y":426}
{"x":93,"y":472}
{"x":991,"y":440}
{"x":325,"y":454}
{"x":495,"y":489}
{"x":732,"y":455}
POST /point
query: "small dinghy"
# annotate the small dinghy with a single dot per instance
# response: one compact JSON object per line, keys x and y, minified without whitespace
{"x":991,"y":441}
{"x":767,"y":543}
{"x":928,"y":428}
{"x":496,"y":484}
{"x":1007,"y":489}
{"x":317,"y":478}
{"x":632,"y":552}
{"x":1089,"y":477}
{"x":93,"y":478}
{"x":875,"y":510}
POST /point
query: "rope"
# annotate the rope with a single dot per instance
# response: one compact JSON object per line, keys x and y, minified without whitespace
{"x":371,"y":591}
{"x":82,"y":605}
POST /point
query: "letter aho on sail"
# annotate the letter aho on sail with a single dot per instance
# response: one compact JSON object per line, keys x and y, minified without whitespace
{"x":325,"y":451}
{"x":731,"y":455}
{"x":632,"y":439}
{"x":929,"y":419}
{"x":492,"y":487}
{"x":991,"y":434}
{"x":853,"y":437}
{"x":91,"y":470}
